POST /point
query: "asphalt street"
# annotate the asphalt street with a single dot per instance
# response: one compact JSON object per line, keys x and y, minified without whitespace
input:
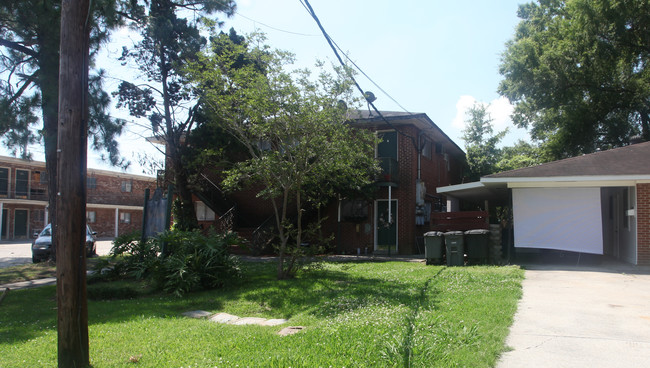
{"x":20,"y":252}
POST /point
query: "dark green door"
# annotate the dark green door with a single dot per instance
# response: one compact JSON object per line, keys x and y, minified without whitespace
{"x":386,"y":231}
{"x":20,"y":224}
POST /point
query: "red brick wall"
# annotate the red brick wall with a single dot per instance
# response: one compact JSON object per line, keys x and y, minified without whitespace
{"x":108,"y":189}
{"x":434,"y":173}
{"x":35,"y":216}
{"x":643,"y":224}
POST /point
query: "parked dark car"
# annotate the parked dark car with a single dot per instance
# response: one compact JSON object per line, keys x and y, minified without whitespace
{"x":42,"y":245}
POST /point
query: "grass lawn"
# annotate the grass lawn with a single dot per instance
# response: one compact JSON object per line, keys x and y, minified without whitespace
{"x":391,"y":314}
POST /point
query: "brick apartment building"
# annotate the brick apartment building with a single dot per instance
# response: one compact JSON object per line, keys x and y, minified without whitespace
{"x":114,"y":200}
{"x":416,"y":156}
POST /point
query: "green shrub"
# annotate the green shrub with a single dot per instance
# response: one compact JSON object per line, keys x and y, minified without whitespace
{"x":195,"y":261}
{"x":192,"y":261}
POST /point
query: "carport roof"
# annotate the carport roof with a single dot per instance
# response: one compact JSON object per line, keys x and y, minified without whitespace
{"x":616,"y":167}
{"x":629,"y":161}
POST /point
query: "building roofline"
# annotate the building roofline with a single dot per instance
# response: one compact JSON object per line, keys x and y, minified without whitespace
{"x":402,"y":118}
{"x":41,"y":165}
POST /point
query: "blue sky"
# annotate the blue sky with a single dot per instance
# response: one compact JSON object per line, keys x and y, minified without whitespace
{"x":436,"y":57}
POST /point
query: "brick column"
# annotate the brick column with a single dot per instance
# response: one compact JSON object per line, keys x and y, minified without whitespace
{"x":643,"y":223}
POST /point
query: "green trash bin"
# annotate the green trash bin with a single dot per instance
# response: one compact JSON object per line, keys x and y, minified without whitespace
{"x":433,"y":247}
{"x":454,"y":244}
{"x":477,"y":246}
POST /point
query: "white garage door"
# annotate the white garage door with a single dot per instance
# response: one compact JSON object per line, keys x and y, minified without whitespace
{"x":558,"y":218}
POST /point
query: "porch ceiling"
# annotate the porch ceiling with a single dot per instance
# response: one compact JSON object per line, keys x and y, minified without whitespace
{"x":478,"y":192}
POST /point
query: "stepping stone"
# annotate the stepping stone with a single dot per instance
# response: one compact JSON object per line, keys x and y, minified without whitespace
{"x":248,"y":321}
{"x":197,"y":314}
{"x":290,"y":330}
{"x":274,"y":322}
{"x":223,"y":318}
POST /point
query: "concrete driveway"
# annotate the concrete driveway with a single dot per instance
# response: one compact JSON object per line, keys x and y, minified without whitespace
{"x":20,"y":252}
{"x":582,"y":317}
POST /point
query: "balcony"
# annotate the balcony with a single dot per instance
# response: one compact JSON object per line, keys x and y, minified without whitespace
{"x":389,"y":176}
{"x":33,"y":194}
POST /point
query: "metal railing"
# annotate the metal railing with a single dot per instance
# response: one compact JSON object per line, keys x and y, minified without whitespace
{"x":34,"y":194}
{"x":226,"y":222}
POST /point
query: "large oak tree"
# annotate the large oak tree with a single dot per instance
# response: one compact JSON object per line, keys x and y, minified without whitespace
{"x":577,"y":72}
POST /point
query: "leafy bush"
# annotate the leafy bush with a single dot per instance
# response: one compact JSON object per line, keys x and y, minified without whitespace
{"x":191,"y":260}
{"x":196,"y":261}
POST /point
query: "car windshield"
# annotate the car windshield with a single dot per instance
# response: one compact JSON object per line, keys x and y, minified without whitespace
{"x":46,"y":232}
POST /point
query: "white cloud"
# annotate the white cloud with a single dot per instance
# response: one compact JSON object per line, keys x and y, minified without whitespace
{"x":500,"y":111}
{"x":464,"y":103}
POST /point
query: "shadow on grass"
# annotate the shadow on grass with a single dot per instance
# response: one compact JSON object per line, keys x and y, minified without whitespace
{"x":328,"y":293}
{"x":322,"y":293}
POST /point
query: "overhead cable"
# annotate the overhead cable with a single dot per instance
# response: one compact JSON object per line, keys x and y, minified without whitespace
{"x":310,"y":10}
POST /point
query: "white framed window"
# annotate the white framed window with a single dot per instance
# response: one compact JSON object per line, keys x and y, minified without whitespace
{"x":203,"y":212}
{"x":125,"y":217}
{"x":91,"y":182}
{"x":91,"y":217}
{"x":127,"y":186}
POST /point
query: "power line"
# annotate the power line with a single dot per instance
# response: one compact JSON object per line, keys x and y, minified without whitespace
{"x":370,"y":79}
{"x":310,"y":10}
{"x":277,"y":29}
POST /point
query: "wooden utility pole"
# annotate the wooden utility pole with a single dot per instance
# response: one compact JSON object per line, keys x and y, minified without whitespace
{"x":70,"y":232}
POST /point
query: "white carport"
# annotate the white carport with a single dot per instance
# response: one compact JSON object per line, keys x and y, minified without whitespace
{"x":585,"y":204}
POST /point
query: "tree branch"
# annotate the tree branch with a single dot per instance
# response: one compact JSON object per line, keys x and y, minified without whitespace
{"x":22,"y":88}
{"x":18,"y":47}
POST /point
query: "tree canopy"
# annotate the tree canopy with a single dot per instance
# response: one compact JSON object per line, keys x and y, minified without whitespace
{"x":170,"y":40}
{"x":29,"y":69}
{"x":481,"y":143}
{"x":29,"y":82}
{"x":577,"y":73}
{"x":294,"y":128}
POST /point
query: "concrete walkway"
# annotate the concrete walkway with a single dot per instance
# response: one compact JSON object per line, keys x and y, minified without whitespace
{"x":573,"y":316}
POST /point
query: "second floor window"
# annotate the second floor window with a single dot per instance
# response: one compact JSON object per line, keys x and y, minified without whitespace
{"x":127,"y":186}
{"x":22,"y":183}
{"x":4,"y":181}
{"x":426,"y":149}
{"x":91,"y":182}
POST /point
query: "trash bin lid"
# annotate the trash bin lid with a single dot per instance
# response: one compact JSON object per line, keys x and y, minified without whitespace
{"x":453,"y":233}
{"x":433,"y":233}
{"x":477,"y":232}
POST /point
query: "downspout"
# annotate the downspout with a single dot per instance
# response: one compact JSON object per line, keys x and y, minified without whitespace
{"x":419,"y":156}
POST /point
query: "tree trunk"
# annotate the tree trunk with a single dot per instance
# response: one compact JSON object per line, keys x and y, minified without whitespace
{"x":280,"y":216}
{"x":186,"y":215}
{"x":72,"y":309}
{"x":645,"y":125}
